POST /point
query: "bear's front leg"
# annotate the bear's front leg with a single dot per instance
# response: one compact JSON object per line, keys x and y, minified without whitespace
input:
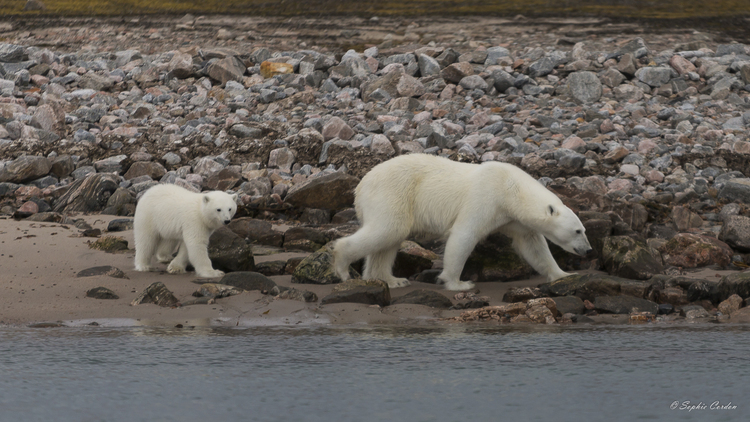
{"x":461,"y":242}
{"x":180,"y":262}
{"x":197,"y":252}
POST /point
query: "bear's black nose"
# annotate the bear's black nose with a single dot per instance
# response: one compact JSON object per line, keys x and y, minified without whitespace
{"x":588,"y":252}
{"x":226,"y":221}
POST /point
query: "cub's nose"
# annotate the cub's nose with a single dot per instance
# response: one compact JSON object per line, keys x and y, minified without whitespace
{"x":589,"y":252}
{"x":226,"y":221}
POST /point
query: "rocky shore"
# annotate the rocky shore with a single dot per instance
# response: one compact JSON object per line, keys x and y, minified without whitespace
{"x":645,"y":136}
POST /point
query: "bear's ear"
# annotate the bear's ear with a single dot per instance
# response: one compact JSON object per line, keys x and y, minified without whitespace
{"x":234,"y":197}
{"x":551,"y":210}
{"x":206,"y":199}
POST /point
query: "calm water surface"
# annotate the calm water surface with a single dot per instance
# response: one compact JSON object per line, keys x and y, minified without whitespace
{"x":374,"y":374}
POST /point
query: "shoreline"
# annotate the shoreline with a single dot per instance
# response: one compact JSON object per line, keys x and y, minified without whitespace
{"x":45,"y":292}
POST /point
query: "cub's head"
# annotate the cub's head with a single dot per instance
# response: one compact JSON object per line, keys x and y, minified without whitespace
{"x":218,"y":208}
{"x":566,"y":230}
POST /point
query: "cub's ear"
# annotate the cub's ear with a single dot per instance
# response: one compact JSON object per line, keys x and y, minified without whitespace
{"x":234,"y":197}
{"x":551,"y":210}
{"x":206,"y":199}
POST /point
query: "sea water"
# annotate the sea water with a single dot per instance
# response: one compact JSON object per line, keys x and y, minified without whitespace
{"x":451,"y":373}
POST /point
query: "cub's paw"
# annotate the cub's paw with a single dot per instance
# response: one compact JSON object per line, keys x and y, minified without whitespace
{"x":398,"y":282}
{"x":459,"y":285}
{"x":164,"y":259}
{"x":145,"y":268}
{"x":175,"y":269}
{"x":209,"y":273}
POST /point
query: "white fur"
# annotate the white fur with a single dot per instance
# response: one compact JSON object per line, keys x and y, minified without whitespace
{"x":169,"y":218}
{"x":423,"y":194}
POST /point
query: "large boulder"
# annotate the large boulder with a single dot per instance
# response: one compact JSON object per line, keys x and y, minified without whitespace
{"x":736,"y":232}
{"x":494,"y":259}
{"x":248,"y":280}
{"x":732,"y":284}
{"x":626,"y":257}
{"x":89,"y":194}
{"x":689,"y":250}
{"x":229,"y":252}
{"x":259,"y":232}
{"x":331,"y":191}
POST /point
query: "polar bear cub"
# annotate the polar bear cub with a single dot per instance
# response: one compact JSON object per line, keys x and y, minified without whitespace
{"x":424,"y":194}
{"x":170,"y":218}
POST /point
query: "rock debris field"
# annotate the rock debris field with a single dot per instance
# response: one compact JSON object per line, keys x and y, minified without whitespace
{"x":643,"y":134}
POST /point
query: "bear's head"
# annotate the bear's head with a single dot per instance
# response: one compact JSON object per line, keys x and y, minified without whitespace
{"x":218,"y":208}
{"x":565,"y":230}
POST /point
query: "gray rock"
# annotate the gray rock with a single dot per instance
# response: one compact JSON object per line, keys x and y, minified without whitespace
{"x":457,"y":71}
{"x":248,"y":280}
{"x":227,"y":69}
{"x":11,"y":53}
{"x":158,"y":294}
{"x":654,"y":76}
{"x":589,"y":286}
{"x":494,"y":54}
{"x":107,"y":270}
{"x":624,"y":305}
{"x":569,"y":304}
{"x":635,"y":47}
{"x":88,"y":194}
{"x":101,"y":293}
{"x":428,"y":66}
{"x":473,"y":82}
{"x":425,"y":297}
{"x":736,"y":232}
{"x":25,"y":169}
{"x":369,"y":292}
{"x":585,"y":87}
{"x":736,"y":190}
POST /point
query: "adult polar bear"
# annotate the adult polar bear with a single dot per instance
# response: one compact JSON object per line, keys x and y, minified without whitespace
{"x":424,"y":194}
{"x":169,"y":217}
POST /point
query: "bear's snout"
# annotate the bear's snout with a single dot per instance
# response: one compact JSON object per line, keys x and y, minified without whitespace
{"x":226,"y":222}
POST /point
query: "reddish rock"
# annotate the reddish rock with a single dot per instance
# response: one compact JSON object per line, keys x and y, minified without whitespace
{"x":688,"y":250}
{"x":145,"y":168}
{"x":337,"y":128}
{"x":457,"y":71}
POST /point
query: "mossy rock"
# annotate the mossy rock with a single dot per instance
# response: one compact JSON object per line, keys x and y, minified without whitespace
{"x":110,"y":244}
{"x":626,"y":257}
{"x":317,"y":268}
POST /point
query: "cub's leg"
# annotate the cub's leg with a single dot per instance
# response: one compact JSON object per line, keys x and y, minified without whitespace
{"x":165,"y":250}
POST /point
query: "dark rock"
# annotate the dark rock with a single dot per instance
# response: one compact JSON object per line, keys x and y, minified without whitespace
{"x":120,"y":224}
{"x":428,"y":276}
{"x":62,"y":166}
{"x":107,"y":270}
{"x":624,"y":305}
{"x":387,"y":83}
{"x":736,"y":190}
{"x":370,"y":292}
{"x":689,"y":250}
{"x":269,"y":268}
{"x":494,"y":259}
{"x":521,"y":294}
{"x":700,"y":290}
{"x":223,"y":180}
{"x":332,"y":191}
{"x":216,"y":290}
{"x":425,"y":297}
{"x":229,"y":252}
{"x":248,"y":280}
{"x":257,"y":231}
{"x":569,"y":304}
{"x":412,"y":259}
{"x":145,"y":168}
{"x":121,"y":202}
{"x":732,"y":284}
{"x":101,"y":293}
{"x":25,"y":169}
{"x":110,"y":244}
{"x":315,"y":216}
{"x":665,"y":308}
{"x":89,"y":194}
{"x":589,"y":286}
{"x":304,"y":238}
{"x":317,"y":268}
{"x":294,"y":294}
{"x":626,"y":257}
{"x":156,"y":293}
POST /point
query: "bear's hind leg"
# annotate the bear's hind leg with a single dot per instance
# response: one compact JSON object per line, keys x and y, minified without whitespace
{"x":379,"y":265}
{"x":366,"y":241}
{"x":166,"y":249}
{"x":534,"y":249}
{"x":145,"y":246}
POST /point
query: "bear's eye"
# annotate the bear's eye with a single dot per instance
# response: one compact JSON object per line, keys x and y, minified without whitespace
{"x":578,"y":232}
{"x":218,"y":209}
